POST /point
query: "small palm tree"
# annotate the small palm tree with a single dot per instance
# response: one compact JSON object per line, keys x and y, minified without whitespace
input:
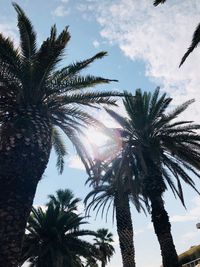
{"x":64,"y":199}
{"x":162,"y":151}
{"x":103,"y":242}
{"x":115,"y":187}
{"x":53,"y":239}
{"x":37,"y":98}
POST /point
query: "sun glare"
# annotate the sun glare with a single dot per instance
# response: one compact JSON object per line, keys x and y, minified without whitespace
{"x":102,"y":144}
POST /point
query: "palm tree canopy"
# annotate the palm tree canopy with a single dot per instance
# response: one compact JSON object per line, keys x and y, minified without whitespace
{"x":64,"y":200}
{"x":54,"y":238}
{"x":30,"y":82}
{"x":111,"y":178}
{"x":103,"y":242}
{"x":155,"y":140}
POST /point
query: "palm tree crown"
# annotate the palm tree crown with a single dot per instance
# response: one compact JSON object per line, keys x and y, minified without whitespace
{"x":103,"y":242}
{"x":64,"y":199}
{"x":54,"y":239}
{"x":30,"y":83}
{"x":156,"y":140}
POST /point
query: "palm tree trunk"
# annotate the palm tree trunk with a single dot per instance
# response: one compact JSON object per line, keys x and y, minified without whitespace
{"x":162,"y":228}
{"x":25,"y":143}
{"x":103,"y":264}
{"x":125,"y":230}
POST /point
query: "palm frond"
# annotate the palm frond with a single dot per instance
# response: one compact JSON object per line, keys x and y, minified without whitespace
{"x":47,"y":57}
{"x":157,"y":2}
{"x":194,"y":44}
{"x":75,"y":83}
{"x":76,"y":67}
{"x":60,"y":149}
{"x":27,"y":34}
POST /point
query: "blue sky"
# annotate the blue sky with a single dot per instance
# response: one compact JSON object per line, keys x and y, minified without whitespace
{"x":145,"y":45}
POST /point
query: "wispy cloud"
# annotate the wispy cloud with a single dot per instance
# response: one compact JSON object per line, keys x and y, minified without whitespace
{"x":9,"y":30}
{"x":159,"y":37}
{"x":192,"y":215}
{"x":96,"y":43}
{"x":61,"y":11}
{"x":191,"y":237}
{"x":75,"y":162}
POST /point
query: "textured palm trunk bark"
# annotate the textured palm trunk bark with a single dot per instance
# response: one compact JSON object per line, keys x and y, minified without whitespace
{"x":25,"y":144}
{"x":125,"y":230}
{"x":162,"y":229}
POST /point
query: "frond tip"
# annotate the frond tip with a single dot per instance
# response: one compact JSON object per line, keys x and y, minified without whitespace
{"x":194,"y":44}
{"x":157,"y":2}
{"x":59,"y":148}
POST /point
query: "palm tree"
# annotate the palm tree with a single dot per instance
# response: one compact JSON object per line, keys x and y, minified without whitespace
{"x":65,"y":200}
{"x":53,"y":239}
{"x":103,"y":242}
{"x":36,"y":99}
{"x":115,"y":186}
{"x":162,"y":151}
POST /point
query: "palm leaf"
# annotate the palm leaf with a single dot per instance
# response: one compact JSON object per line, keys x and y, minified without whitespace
{"x":157,"y":2}
{"x":60,"y":149}
{"x":27,"y":34}
{"x":194,"y":44}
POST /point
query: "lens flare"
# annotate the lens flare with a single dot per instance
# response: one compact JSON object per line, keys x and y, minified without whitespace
{"x":102,"y":144}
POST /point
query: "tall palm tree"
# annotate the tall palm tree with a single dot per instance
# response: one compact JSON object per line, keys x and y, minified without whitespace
{"x":116,"y":187}
{"x":103,"y":242}
{"x":36,"y":97}
{"x":162,"y":151}
{"x":53,"y":239}
{"x":65,"y":200}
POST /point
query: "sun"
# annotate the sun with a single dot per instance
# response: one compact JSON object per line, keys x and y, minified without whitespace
{"x":102,"y":144}
{"x":97,"y":137}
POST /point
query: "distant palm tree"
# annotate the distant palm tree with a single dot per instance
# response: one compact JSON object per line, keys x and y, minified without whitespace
{"x":37,"y":98}
{"x":53,"y":239}
{"x":65,"y":200}
{"x":115,"y":187}
{"x":103,"y":242}
{"x":162,"y":151}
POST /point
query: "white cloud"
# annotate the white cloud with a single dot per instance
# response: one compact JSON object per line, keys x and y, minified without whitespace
{"x":61,"y":11}
{"x":191,"y":237}
{"x":65,"y":1}
{"x":9,"y":30}
{"x":116,"y":240}
{"x":191,"y":215}
{"x":96,"y":43}
{"x":158,"y":36}
{"x":75,"y":162}
{"x":138,"y":232}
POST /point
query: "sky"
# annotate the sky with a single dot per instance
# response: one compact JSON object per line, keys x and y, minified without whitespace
{"x":145,"y":45}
